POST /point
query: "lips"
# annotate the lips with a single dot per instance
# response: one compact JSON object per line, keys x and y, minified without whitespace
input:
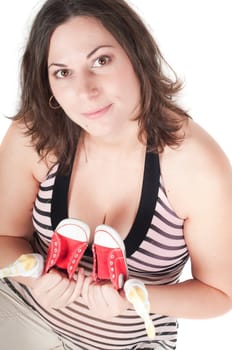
{"x":97,"y":113}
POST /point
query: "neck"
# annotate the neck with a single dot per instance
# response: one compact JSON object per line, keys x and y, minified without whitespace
{"x":112,"y":149}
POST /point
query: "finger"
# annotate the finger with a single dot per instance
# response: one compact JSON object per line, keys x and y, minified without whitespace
{"x":76,"y":289}
{"x":59,"y":290}
{"x":79,"y":282}
{"x":85,"y":289}
{"x":47,"y":281}
{"x":111,"y":298}
{"x":96,"y":300}
{"x":117,"y":302}
{"x":63,"y":300}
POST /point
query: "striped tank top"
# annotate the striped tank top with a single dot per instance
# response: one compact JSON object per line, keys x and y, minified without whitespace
{"x":156,"y":254}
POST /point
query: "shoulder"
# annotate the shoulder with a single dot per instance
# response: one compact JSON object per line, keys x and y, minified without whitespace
{"x":17,"y":151}
{"x":194,"y":169}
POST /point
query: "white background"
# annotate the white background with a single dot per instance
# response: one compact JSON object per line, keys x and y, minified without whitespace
{"x":195,"y":38}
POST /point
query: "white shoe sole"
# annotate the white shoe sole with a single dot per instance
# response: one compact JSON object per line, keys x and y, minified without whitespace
{"x":75,"y":229}
{"x":108,"y":237}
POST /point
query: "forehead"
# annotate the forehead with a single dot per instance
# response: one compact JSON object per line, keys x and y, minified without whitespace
{"x":79,"y":33}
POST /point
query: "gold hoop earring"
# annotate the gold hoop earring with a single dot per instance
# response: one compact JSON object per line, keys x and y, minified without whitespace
{"x":51,"y":103}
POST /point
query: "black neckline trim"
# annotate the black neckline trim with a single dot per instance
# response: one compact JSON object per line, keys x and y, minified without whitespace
{"x":147,"y":204}
{"x":141,"y":224}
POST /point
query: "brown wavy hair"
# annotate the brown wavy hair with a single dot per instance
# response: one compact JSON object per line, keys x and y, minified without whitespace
{"x":52,"y":130}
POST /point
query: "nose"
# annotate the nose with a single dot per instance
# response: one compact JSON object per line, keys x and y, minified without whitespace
{"x":87,"y":85}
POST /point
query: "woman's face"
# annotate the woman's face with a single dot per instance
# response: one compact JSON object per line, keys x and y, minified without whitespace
{"x":92,"y":78}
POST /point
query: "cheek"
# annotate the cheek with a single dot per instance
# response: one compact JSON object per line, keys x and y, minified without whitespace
{"x":52,"y":84}
{"x":58,"y":88}
{"x":63,"y":95}
{"x":130,"y":79}
{"x":130,"y":88}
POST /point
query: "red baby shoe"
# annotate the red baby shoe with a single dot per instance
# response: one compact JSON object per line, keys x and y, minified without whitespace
{"x":109,"y":257}
{"x":67,"y":246}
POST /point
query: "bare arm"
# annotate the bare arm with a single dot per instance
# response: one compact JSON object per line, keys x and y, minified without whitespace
{"x":19,"y":165}
{"x":201,"y":192}
{"x":21,"y":171}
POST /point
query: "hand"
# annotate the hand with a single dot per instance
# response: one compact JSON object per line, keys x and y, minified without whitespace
{"x":103,"y":300}
{"x":55,"y":290}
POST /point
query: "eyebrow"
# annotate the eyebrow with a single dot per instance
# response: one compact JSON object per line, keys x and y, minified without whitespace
{"x":88,"y":56}
{"x":57,"y":65}
{"x":96,"y":49}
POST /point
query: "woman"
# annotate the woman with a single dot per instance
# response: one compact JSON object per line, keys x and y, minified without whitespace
{"x":100,"y":138}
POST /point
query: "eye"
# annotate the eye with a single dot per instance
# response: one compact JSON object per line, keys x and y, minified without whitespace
{"x":62,"y":73}
{"x":101,"y":61}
